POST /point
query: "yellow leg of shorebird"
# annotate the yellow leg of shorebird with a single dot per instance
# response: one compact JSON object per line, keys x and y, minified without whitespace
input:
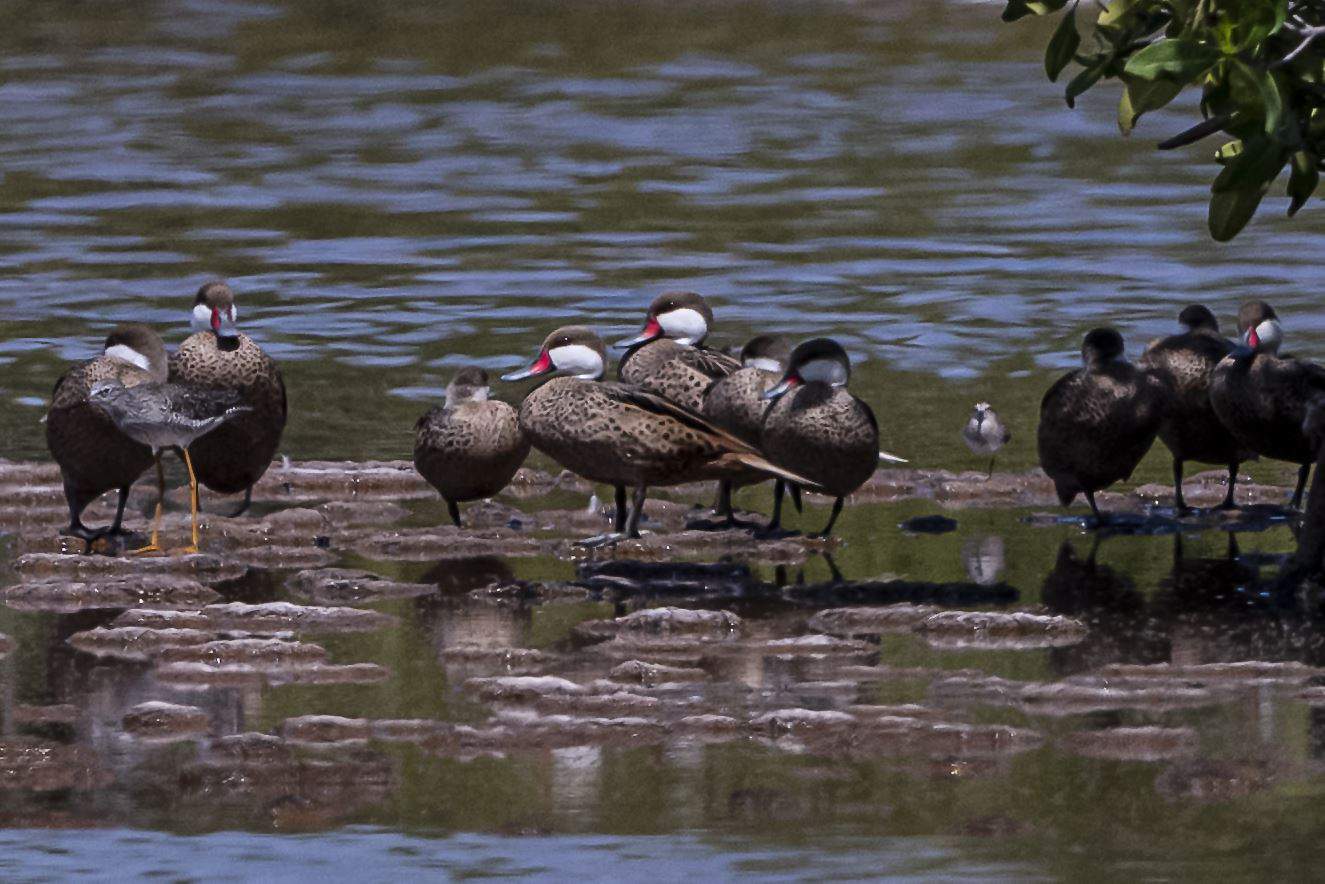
{"x":154,"y":545}
{"x":193,"y":504}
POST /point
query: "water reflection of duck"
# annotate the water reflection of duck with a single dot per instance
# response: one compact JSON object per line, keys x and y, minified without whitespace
{"x":1096,"y":423}
{"x":669,"y":357}
{"x":621,"y":435}
{"x":234,"y":456}
{"x":1192,"y":430}
{"x":93,"y":454}
{"x":736,"y":402}
{"x":470,"y":447}
{"x":1262,"y":398}
{"x":818,"y":428}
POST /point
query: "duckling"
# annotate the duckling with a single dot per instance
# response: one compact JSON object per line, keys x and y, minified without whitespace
{"x":1096,"y":423}
{"x":817,"y":428}
{"x":984,"y":433}
{"x":1186,"y":363}
{"x":1262,"y":398}
{"x":93,"y":454}
{"x":469,"y":448}
{"x":668,"y":357}
{"x":620,"y":435}
{"x":235,"y":456}
{"x":736,"y":402}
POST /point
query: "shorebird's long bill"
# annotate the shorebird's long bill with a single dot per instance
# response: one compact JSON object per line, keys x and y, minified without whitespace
{"x":787,"y":384}
{"x":892,"y":458}
{"x":542,"y":365}
{"x":652,"y":331}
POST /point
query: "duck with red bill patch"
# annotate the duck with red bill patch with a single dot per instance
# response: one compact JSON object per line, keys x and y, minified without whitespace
{"x":1262,"y":398}
{"x":818,"y":428}
{"x":669,"y":357}
{"x":231,"y":458}
{"x":621,"y":435}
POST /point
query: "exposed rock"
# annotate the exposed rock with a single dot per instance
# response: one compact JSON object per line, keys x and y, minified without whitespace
{"x":62,"y":713}
{"x":446,"y":542}
{"x":511,"y":659}
{"x":67,"y":596}
{"x":522,"y":687}
{"x":33,"y":766}
{"x":319,"y":480}
{"x":783,"y":720}
{"x":134,"y":642}
{"x":1243,"y":671}
{"x":270,"y":617}
{"x":662,"y":622}
{"x":205,"y":567}
{"x":325,"y":729}
{"x":818,"y":645}
{"x":646,"y":673}
{"x":281,"y":558}
{"x":870,"y":620}
{"x":997,"y":630}
{"x":255,"y":652}
{"x":156,"y":720}
{"x":186,"y":674}
{"x":531,"y":591}
{"x":152,"y":618}
{"x":347,"y":586}
{"x":1134,"y":743}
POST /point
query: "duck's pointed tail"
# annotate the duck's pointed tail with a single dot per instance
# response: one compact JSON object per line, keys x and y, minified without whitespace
{"x":764,"y":465}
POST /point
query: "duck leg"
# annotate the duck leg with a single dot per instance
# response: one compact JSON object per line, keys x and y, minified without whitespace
{"x":1303,"y":473}
{"x":619,"y":517}
{"x":248,"y":501}
{"x":619,"y":531}
{"x":153,"y":544}
{"x":832,"y":519}
{"x":454,"y":509}
{"x":76,"y":527}
{"x":990,"y":473}
{"x":636,"y":511}
{"x":1229,"y":503}
{"x":1090,"y":498}
{"x":1178,"y":503}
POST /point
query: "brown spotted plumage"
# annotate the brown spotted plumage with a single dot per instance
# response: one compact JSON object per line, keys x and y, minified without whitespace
{"x":94,"y":456}
{"x":1263,"y":398}
{"x":1193,"y":431}
{"x":669,"y":358}
{"x":618,"y":434}
{"x":1096,"y":423}
{"x":469,"y":448}
{"x":232,"y":457}
{"x":817,"y":428}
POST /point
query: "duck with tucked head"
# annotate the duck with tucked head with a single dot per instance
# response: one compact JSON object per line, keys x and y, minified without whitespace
{"x":470,"y":447}
{"x":1262,"y":398}
{"x":163,"y":415}
{"x":736,"y":403}
{"x":93,"y":454}
{"x":1096,"y":423}
{"x":817,"y":428}
{"x":236,"y":455}
{"x":669,"y":357}
{"x":620,"y":435}
{"x":1192,"y":431}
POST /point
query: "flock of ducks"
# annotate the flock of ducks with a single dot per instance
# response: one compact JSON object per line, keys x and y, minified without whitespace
{"x":679,"y":413}
{"x":1209,"y":399}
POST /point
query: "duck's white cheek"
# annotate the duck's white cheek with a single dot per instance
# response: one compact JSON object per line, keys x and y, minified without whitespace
{"x":578,"y":360}
{"x":764,"y":364}
{"x":825,"y":371}
{"x":125,"y":353}
{"x":1271,"y":335}
{"x":684,"y":324}
{"x":201,"y":318}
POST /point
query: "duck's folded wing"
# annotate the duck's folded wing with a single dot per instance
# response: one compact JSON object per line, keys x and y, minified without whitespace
{"x":713,"y":363}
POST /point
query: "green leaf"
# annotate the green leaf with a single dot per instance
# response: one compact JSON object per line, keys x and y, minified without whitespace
{"x":1302,"y":180}
{"x":1021,"y":8}
{"x":1183,"y":59}
{"x":1259,"y":161}
{"x":1230,"y":211}
{"x":1141,"y":96}
{"x":1084,"y":80}
{"x":1062,"y":46}
{"x":1257,"y":92}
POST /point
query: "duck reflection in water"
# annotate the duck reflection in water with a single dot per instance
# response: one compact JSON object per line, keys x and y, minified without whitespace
{"x":984,"y":558}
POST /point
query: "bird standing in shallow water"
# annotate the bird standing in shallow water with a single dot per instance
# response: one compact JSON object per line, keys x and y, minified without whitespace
{"x":94,"y":456}
{"x":818,"y":428}
{"x":469,"y":448}
{"x":1262,"y":398}
{"x":1096,"y":423}
{"x":236,"y":455}
{"x":621,"y":435}
{"x":167,"y":415}
{"x":1192,"y":430}
{"x":984,"y":433}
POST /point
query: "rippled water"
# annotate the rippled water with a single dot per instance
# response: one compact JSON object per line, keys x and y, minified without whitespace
{"x":397,"y":189}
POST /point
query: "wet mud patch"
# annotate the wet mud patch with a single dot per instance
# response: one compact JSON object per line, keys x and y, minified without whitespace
{"x":346,"y":586}
{"x":59,"y":596}
{"x":161,"y":722}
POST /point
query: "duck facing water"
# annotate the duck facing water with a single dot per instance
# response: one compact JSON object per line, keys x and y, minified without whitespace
{"x":236,"y":455}
{"x":469,"y":448}
{"x":1262,"y":398}
{"x":1193,"y":431}
{"x":1096,"y":423}
{"x":93,"y":454}
{"x":621,"y":435}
